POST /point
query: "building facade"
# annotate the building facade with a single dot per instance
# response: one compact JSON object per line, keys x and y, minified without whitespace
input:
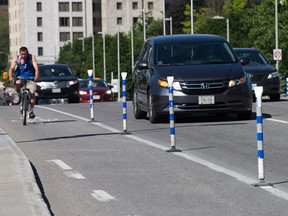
{"x":45,"y":26}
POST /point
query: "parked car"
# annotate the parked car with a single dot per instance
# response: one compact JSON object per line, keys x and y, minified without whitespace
{"x":57,"y":81}
{"x":261,"y":72}
{"x":208,"y":77}
{"x":101,"y":91}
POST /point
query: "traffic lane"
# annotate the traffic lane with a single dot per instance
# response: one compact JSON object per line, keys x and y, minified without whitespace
{"x":227,"y":142}
{"x":146,"y":181}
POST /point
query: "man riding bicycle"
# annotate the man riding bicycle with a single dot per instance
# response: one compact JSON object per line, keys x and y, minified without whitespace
{"x":25,"y":66}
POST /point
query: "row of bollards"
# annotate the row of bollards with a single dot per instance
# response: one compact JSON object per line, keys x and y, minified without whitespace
{"x":259,"y":120}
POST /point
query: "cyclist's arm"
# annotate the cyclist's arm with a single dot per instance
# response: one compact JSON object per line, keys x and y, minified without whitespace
{"x":11,"y":69}
{"x":35,"y":65}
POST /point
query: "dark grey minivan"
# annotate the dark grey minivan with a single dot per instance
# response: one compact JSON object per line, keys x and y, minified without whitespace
{"x":208,"y":77}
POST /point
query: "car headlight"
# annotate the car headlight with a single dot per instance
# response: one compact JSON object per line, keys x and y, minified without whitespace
{"x":82,"y":92}
{"x":72,"y":82}
{"x":236,"y":82}
{"x":273,"y":75}
{"x":164,"y":84}
{"x":108,"y":92}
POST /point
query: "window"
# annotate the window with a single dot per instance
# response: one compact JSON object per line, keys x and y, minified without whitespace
{"x":76,"y":6}
{"x":63,"y":6}
{"x":39,"y":6}
{"x":64,"y":36}
{"x":119,"y":20}
{"x":135,"y":5}
{"x":77,"y":21}
{"x":64,"y":21}
{"x":150,"y":5}
{"x":40,"y":36}
{"x":135,"y":20}
{"x":40,"y":51}
{"x":77,"y":35}
{"x":39,"y":21}
{"x":119,"y":6}
{"x":4,"y":2}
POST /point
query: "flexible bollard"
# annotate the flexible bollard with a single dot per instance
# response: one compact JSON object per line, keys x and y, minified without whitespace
{"x":259,"y":120}
{"x":286,"y":87}
{"x":170,"y":80}
{"x":124,"y":103}
{"x":90,"y":72}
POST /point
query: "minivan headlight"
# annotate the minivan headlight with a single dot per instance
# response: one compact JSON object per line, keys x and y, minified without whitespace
{"x":273,"y":75}
{"x":236,"y":82}
{"x":164,"y":84}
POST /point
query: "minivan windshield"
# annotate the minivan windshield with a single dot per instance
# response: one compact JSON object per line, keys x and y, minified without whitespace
{"x":189,"y":53}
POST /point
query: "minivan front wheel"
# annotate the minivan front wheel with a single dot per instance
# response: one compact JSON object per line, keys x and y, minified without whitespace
{"x":153,"y":116}
{"x":138,"y":114}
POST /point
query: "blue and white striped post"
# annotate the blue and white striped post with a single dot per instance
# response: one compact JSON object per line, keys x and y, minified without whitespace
{"x":286,"y":87}
{"x":259,"y":120}
{"x":124,"y":103}
{"x":170,"y":80}
{"x":90,"y":72}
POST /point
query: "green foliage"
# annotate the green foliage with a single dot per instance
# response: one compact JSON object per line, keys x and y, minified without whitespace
{"x":4,"y":43}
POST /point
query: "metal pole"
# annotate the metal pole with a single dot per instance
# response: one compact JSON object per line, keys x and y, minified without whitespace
{"x":228,"y":30}
{"x":171,"y":26}
{"x":276,"y":31}
{"x":164,"y":26}
{"x":118,"y":61}
{"x":170,"y":80}
{"x":93,"y":56}
{"x":90,"y":72}
{"x":192,"y":17}
{"x":286,"y":87}
{"x":132,"y":47}
{"x":104,"y":56}
{"x":144,"y":24}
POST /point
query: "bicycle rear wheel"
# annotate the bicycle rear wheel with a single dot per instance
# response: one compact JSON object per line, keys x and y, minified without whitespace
{"x":24,"y":107}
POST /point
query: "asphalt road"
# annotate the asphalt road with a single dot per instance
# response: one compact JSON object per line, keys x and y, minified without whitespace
{"x":92,"y":168}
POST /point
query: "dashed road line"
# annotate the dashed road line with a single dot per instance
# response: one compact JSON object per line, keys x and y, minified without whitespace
{"x":102,"y":196}
{"x":61,"y":164}
{"x":74,"y":174}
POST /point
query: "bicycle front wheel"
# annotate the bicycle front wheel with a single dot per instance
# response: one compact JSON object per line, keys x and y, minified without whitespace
{"x":24,"y":107}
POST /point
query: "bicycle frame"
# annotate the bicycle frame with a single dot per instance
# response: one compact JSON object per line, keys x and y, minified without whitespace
{"x":25,"y":99}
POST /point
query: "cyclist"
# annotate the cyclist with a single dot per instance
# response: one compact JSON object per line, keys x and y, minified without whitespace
{"x":26,"y":66}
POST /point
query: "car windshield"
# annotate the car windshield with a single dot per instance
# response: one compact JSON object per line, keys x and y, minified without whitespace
{"x":95,"y":84}
{"x":194,"y":53}
{"x":256,"y":57}
{"x":54,"y":71}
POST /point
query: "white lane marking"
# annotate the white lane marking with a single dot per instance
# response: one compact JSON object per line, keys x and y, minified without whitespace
{"x":102,"y":196}
{"x":277,"y":120}
{"x":246,"y":180}
{"x":61,"y":164}
{"x":74,"y":174}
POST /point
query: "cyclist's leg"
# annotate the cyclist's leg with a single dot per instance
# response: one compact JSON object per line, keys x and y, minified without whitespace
{"x":18,"y":86}
{"x":32,"y":88}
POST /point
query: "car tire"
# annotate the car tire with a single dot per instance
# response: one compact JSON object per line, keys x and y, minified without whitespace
{"x":274,"y":97}
{"x":73,"y":100}
{"x":244,"y":115}
{"x":152,"y":115}
{"x":138,"y":114}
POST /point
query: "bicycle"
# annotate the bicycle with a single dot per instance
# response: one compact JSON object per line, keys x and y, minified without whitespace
{"x":25,"y":99}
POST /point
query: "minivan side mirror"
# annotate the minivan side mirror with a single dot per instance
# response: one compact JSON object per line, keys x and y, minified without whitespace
{"x":142,"y":65}
{"x":245,"y":60}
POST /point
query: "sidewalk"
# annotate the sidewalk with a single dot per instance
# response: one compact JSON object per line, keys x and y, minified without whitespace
{"x":19,"y":192}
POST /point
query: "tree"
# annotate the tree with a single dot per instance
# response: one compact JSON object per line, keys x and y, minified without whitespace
{"x":4,"y":43}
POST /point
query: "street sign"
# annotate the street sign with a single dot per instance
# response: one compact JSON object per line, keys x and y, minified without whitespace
{"x":277,"y":54}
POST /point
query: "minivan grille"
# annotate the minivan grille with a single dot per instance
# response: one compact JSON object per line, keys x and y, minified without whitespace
{"x":257,"y":77}
{"x":204,"y":87}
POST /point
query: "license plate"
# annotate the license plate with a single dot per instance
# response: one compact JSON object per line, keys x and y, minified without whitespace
{"x":96,"y":97}
{"x":206,"y":99}
{"x":56,"y":90}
